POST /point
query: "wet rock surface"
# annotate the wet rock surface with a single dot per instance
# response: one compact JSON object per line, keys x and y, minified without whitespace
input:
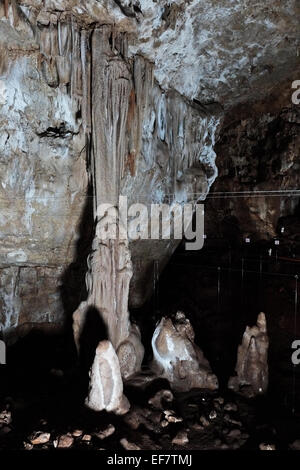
{"x":55,"y":61}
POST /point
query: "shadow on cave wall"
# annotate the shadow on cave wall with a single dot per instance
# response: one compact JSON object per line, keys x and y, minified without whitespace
{"x":73,"y":287}
{"x":93,"y":332}
{"x":73,"y":292}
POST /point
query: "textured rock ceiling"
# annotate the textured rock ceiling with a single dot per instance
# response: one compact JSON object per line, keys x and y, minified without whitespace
{"x":224,"y":51}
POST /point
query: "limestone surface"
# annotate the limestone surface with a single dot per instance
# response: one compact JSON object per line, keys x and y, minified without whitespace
{"x":106,"y":385}
{"x":177,"y":358}
{"x":146,"y":83}
{"x":252,"y":360}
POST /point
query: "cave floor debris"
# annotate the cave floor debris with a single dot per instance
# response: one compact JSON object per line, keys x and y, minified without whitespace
{"x":50,"y":417}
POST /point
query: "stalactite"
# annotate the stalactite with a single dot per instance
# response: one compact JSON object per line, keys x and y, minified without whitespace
{"x":161,"y":117}
{"x":66,"y":61}
{"x":45,"y":41}
{"x":50,"y":71}
{"x":64,"y":70}
{"x":112,"y":86}
{"x":6,"y":6}
{"x":76,"y":70}
{"x":138,"y":105}
{"x":53,"y":36}
{"x":86,"y":80}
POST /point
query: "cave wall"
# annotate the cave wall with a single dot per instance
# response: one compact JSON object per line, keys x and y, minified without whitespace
{"x":51,"y":65}
{"x":258,"y":163}
{"x":185,"y":64}
{"x":43,"y":176}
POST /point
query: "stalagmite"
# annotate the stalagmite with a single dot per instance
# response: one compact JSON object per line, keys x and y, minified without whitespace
{"x":131,"y":353}
{"x":109,"y":264}
{"x":107,"y":280}
{"x":106,"y":386}
{"x":252,"y":360}
{"x":177,"y":358}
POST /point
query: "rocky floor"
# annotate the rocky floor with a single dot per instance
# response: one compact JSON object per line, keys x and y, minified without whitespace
{"x":51,"y":417}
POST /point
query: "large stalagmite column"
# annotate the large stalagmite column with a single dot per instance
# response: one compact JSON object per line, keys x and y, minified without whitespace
{"x":109,"y":264}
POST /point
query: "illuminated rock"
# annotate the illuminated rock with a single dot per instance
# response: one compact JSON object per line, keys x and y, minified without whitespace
{"x":177,"y":358}
{"x":252,"y":360}
{"x":106,"y":385}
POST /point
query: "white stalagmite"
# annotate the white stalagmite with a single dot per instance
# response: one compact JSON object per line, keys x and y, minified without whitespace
{"x":109,"y":264}
{"x":106,"y":385}
{"x":177,"y":358}
{"x":252,"y":360}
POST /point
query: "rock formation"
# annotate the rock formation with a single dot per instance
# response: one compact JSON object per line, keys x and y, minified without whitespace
{"x":252,"y":360}
{"x":104,"y":98}
{"x":107,"y":282}
{"x":106,"y":385}
{"x":129,"y":97}
{"x":124,"y":91}
{"x":177,"y":358}
{"x":160,"y":399}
